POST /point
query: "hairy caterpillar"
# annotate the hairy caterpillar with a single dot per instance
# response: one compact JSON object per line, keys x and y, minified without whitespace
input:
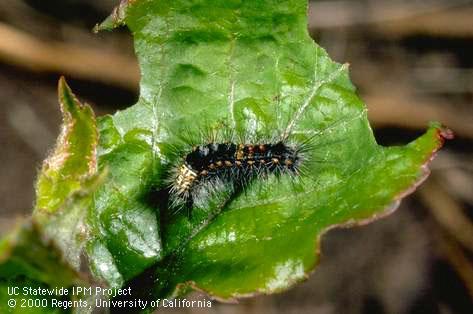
{"x":232,"y":163}
{"x":222,"y":158}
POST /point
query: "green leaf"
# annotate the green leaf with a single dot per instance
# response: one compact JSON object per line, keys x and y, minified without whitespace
{"x":250,"y":68}
{"x":68,"y":178}
{"x":27,"y":253}
{"x":28,"y":260}
{"x":45,"y":251}
{"x":74,"y":158}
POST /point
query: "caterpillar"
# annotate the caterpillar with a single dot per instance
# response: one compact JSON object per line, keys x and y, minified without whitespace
{"x":232,"y":163}
{"x":222,"y":159}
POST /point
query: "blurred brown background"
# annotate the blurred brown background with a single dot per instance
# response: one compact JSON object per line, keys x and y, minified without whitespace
{"x":412,"y":62}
